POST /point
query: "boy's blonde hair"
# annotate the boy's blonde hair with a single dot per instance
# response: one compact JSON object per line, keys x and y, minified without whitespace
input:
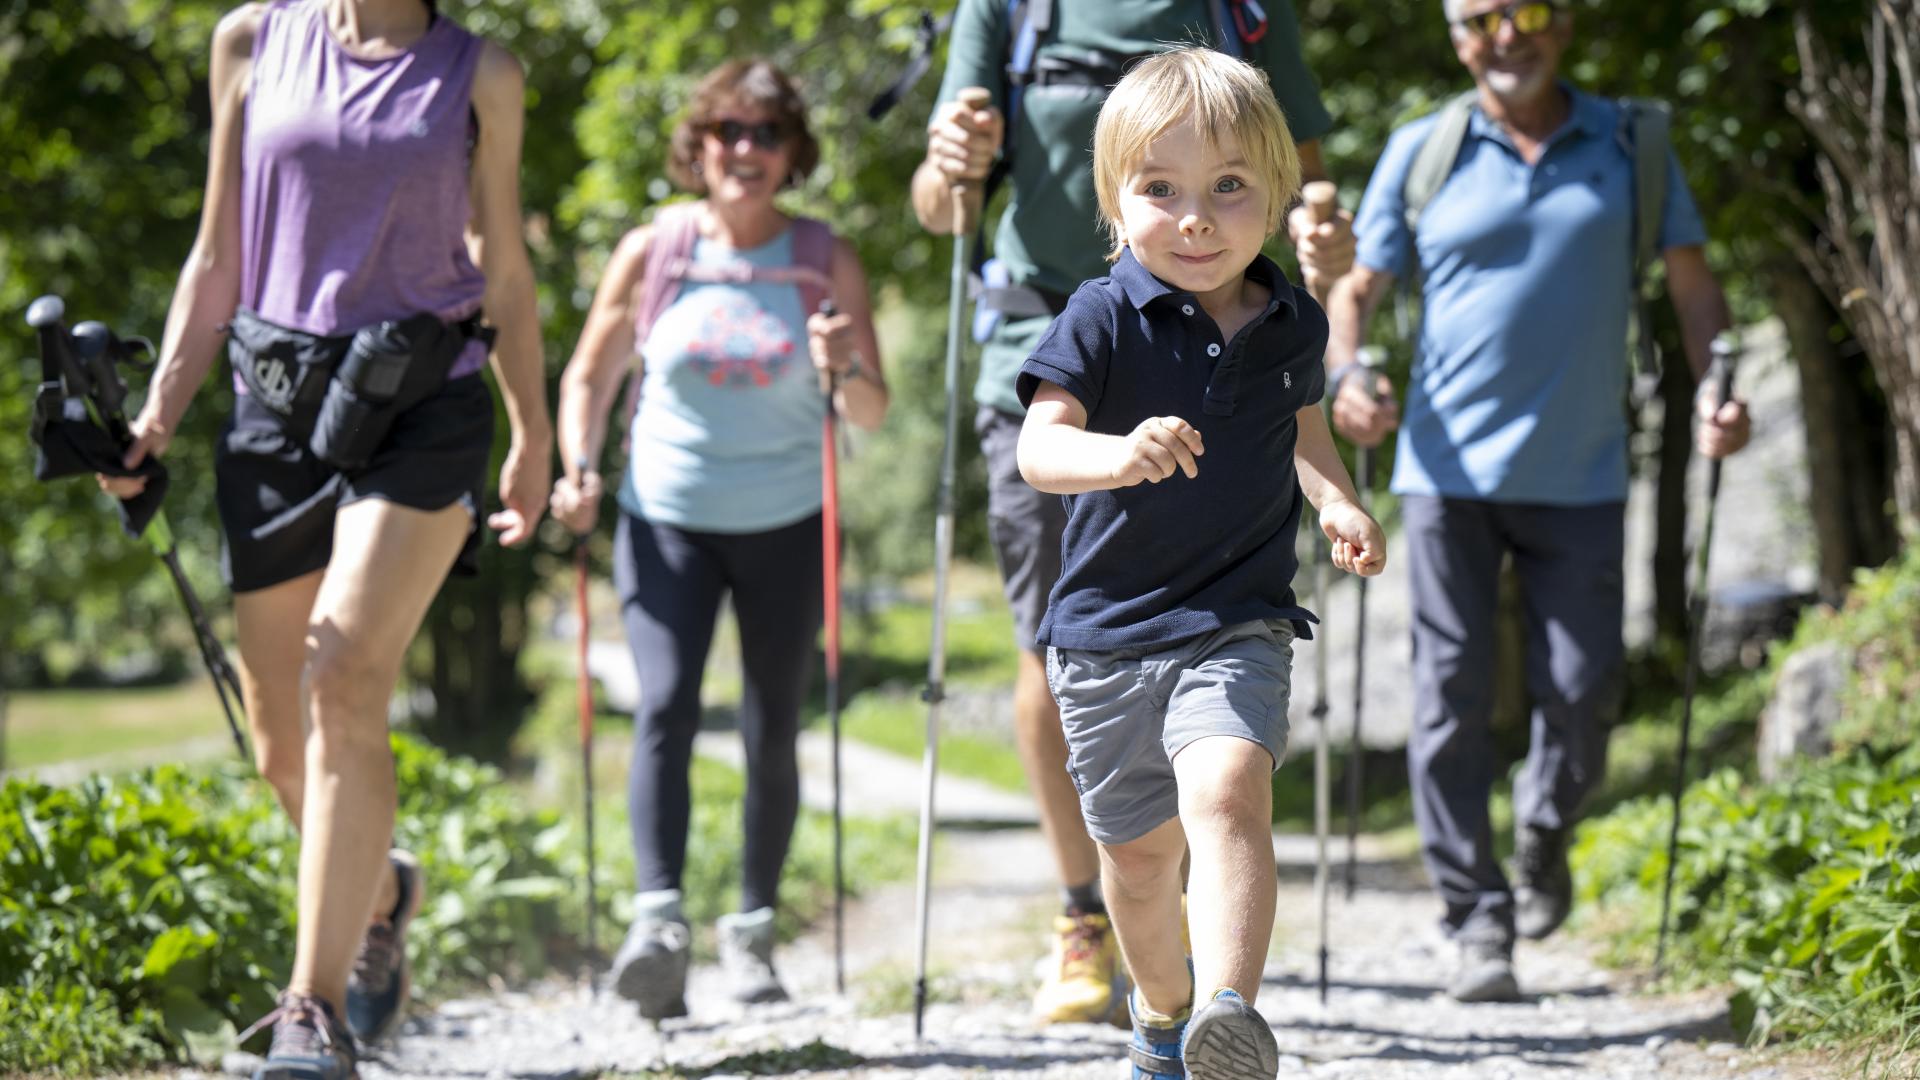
{"x":1223,"y":94}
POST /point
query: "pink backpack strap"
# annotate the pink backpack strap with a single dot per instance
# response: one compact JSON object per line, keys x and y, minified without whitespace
{"x":669,"y":252}
{"x":813,"y":255}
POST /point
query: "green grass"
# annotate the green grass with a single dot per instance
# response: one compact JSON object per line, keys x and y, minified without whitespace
{"x":48,"y":726}
{"x":898,"y":723}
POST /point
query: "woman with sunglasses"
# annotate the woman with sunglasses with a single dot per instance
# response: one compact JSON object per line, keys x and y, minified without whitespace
{"x":721,"y":495}
{"x":364,"y":170}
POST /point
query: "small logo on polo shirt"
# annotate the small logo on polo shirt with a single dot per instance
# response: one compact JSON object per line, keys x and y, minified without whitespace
{"x":1286,"y":379}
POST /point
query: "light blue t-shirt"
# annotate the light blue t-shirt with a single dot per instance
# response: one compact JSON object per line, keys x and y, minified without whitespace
{"x":727,"y":436}
{"x":1519,"y":374}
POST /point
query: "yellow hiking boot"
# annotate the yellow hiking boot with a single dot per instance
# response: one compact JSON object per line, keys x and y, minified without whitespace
{"x":1086,"y":982}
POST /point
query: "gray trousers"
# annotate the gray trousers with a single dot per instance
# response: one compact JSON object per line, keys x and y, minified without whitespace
{"x":1569,"y":563}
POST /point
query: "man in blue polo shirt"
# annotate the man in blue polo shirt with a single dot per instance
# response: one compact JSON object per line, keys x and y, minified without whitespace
{"x":1514,"y":441}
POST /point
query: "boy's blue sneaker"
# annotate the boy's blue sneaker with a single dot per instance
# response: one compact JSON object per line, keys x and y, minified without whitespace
{"x":1228,"y":1039}
{"x":1155,"y":1051}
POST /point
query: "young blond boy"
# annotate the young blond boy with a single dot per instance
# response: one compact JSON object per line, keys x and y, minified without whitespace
{"x":1195,"y":367}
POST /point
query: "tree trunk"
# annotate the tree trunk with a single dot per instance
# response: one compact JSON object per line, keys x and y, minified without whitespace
{"x":1847,"y":472}
{"x":1862,"y":108}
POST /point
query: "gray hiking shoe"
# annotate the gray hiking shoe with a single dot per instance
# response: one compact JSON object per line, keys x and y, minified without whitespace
{"x":377,"y":988}
{"x":650,"y":969}
{"x":1485,"y":972}
{"x":309,"y":1042}
{"x":1228,"y":1039}
{"x":746,"y":955}
{"x":1543,"y":886}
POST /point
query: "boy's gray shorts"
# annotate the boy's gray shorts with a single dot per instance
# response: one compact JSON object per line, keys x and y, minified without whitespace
{"x":1126,"y":714}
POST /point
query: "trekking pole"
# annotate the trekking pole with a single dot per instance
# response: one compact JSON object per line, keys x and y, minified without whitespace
{"x":1320,"y":196}
{"x":1726,"y":357}
{"x":1370,"y":363}
{"x":82,"y":365}
{"x":830,"y":593}
{"x":159,"y":537}
{"x":585,"y":678}
{"x":973,"y":98}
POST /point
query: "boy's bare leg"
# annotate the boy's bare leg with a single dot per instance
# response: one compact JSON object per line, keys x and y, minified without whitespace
{"x":1226,"y":807}
{"x":1043,"y":752}
{"x":1142,"y":882}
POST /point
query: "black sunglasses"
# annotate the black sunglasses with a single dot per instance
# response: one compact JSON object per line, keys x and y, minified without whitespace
{"x":767,"y":134}
{"x":1528,"y":17}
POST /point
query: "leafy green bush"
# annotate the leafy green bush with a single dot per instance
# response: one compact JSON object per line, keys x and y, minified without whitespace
{"x":1806,"y":894}
{"x":146,"y":917}
{"x":158,"y":901}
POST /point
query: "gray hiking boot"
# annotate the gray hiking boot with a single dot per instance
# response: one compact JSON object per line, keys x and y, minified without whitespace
{"x":650,"y":969}
{"x":1485,"y":972}
{"x":309,"y":1042}
{"x":1543,"y":886}
{"x":378,"y":987}
{"x":746,"y":955}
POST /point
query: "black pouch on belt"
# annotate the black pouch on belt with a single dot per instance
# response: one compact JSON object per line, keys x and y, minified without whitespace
{"x":286,"y":370}
{"x":389,"y":368}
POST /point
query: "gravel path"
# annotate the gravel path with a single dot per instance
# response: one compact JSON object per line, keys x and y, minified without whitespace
{"x":1384,"y":1018}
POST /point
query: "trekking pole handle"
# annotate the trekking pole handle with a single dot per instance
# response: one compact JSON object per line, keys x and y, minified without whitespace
{"x":1372,"y":360}
{"x":975,"y":98}
{"x":1725,"y":350}
{"x":1322,"y":204}
{"x":1323,"y":199}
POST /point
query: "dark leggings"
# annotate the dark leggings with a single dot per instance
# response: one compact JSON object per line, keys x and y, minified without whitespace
{"x":671,"y":581}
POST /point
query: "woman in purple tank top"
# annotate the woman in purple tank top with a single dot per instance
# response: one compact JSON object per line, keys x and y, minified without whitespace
{"x":364,"y":171}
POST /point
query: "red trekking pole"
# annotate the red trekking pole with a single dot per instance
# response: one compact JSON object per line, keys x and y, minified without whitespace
{"x":830,"y":588}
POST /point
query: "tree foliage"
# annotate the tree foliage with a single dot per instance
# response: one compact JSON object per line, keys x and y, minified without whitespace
{"x":103,"y":107}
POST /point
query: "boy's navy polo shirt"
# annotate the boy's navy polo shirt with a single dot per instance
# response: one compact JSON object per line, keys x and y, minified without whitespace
{"x":1156,"y":564}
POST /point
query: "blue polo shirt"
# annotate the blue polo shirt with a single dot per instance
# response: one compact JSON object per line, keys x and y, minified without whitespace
{"x":1520,"y":371}
{"x":1156,"y":564}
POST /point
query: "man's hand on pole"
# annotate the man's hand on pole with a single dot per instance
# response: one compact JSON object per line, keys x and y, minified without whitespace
{"x":963,"y":139}
{"x":1323,"y":241}
{"x":1724,"y":426}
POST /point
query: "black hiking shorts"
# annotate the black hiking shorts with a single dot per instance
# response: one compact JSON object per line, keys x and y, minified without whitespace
{"x":277,"y":500}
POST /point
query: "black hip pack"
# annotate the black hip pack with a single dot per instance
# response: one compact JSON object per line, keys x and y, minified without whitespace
{"x":340,"y":394}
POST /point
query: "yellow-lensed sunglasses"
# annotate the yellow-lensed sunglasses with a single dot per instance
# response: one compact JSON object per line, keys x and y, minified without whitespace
{"x":1527,"y":18}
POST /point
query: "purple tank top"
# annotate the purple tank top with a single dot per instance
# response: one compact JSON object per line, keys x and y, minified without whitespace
{"x":353,"y":202}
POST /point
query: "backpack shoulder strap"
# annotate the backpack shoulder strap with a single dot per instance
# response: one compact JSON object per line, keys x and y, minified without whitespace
{"x":1645,"y":134}
{"x":675,"y":228}
{"x":1438,"y":154}
{"x":1646,"y":131}
{"x":813,"y":252}
{"x":669,"y":250}
{"x":1027,"y":22}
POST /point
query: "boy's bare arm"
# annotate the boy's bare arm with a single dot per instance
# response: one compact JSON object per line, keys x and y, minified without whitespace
{"x":1058,"y":455}
{"x":1323,"y":476}
{"x":1359,"y":545}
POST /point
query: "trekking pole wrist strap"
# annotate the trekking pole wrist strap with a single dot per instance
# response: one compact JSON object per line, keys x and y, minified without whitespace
{"x":1337,"y":378}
